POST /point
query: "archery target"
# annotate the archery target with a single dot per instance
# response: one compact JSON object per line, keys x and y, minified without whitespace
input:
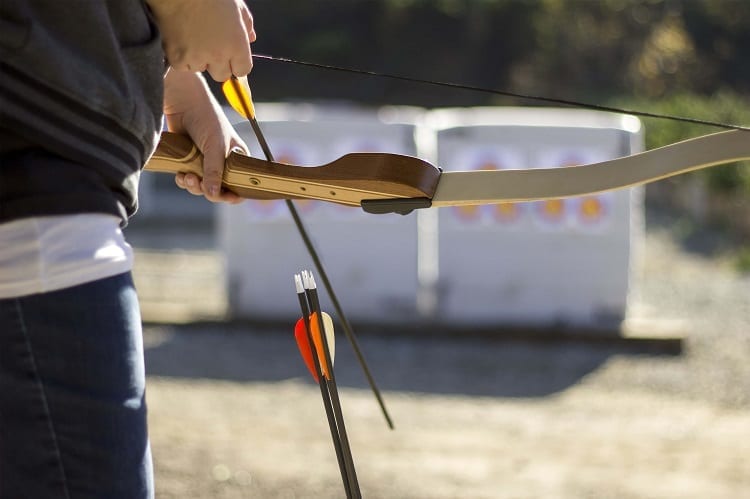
{"x":590,"y":213}
{"x":489,"y":158}
{"x":514,"y":263}
{"x":508,"y":212}
{"x":550,"y":214}
{"x":552,"y":262}
{"x":593,"y":213}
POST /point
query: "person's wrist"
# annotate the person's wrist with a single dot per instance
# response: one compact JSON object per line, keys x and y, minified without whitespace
{"x":182,"y":90}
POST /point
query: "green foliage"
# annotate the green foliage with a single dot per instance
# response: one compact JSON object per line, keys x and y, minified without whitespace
{"x":742,"y":260}
{"x":586,"y":50}
{"x":723,"y":107}
{"x":450,"y":40}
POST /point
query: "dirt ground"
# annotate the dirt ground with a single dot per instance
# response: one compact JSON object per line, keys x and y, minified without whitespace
{"x":254,"y":439}
{"x":234,"y":415}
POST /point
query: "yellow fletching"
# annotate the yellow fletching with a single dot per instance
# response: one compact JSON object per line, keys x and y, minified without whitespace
{"x":237,"y":92}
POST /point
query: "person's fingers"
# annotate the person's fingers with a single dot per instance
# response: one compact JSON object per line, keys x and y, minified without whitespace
{"x":247,"y":19}
{"x":241,"y":62}
{"x":213,"y":171}
{"x":196,"y":68}
{"x":220,"y":72}
{"x":190,"y":182}
{"x":236,"y":144}
{"x":230,"y":197}
{"x":241,"y":66}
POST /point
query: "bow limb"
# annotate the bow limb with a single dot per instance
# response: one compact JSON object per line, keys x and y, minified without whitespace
{"x":488,"y":187}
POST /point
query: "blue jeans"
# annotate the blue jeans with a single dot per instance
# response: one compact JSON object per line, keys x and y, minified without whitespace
{"x":72,"y":394}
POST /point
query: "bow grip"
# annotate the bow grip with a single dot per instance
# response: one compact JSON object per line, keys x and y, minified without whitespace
{"x":176,"y":153}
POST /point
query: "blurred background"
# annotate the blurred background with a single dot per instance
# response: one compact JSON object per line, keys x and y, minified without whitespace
{"x":496,"y":388}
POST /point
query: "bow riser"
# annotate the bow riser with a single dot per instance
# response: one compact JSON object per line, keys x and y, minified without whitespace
{"x":349,"y":180}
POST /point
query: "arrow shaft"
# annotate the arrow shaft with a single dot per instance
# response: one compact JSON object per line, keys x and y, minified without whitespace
{"x":330,"y":383}
{"x":261,"y":139}
{"x":248,"y":108}
{"x":327,"y":398}
{"x":348,"y":460}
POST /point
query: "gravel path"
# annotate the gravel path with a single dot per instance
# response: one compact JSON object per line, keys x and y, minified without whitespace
{"x":233,"y":415}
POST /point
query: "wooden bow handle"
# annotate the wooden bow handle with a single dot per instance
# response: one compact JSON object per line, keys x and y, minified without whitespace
{"x":348,"y":180}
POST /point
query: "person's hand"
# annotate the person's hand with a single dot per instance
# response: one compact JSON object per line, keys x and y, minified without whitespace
{"x":203,"y":35}
{"x":191,"y":109}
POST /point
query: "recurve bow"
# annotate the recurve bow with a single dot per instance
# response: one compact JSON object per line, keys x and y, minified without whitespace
{"x":385,"y":182}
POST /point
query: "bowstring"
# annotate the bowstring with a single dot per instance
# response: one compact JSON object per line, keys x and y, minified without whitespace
{"x":504,"y":93}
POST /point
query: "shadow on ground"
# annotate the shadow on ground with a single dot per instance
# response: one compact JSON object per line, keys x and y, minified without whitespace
{"x":708,"y":240}
{"x":458,"y":365}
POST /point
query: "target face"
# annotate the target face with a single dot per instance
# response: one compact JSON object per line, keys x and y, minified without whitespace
{"x":489,"y":158}
{"x":588,"y":213}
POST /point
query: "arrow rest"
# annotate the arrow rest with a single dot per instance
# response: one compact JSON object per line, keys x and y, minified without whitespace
{"x":402,"y":206}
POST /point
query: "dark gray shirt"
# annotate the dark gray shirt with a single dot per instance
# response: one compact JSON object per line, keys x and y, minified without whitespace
{"x":81,"y":93}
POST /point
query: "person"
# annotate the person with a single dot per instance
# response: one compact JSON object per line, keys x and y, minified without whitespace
{"x":85,"y":90}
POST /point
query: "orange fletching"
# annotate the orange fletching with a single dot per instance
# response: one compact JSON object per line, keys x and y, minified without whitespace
{"x":318,"y":340}
{"x":300,"y":334}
